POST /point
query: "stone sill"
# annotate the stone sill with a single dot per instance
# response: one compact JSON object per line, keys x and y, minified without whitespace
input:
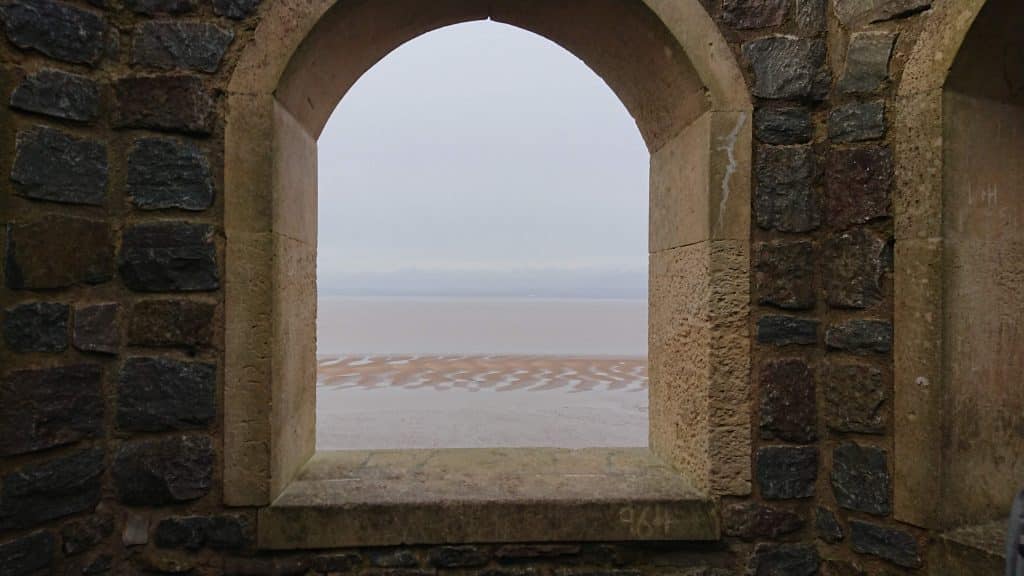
{"x":384,"y":498}
{"x":970,"y":550}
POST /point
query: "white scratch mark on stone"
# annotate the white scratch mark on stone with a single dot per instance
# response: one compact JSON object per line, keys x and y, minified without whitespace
{"x":729,"y":147}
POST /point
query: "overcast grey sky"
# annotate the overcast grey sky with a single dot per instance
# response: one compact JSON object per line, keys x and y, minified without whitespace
{"x":480,"y":148}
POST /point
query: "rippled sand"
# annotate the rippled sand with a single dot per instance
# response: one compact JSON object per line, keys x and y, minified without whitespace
{"x":379,"y":402}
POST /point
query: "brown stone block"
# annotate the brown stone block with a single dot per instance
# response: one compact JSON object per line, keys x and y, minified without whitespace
{"x":58,"y":252}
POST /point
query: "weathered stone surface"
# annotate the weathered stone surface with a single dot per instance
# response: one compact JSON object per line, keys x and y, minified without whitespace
{"x":788,"y":405}
{"x":787,"y":330}
{"x":165,"y":471}
{"x":85,"y":534}
{"x":457,"y":557}
{"x":172,"y":103}
{"x":388,"y":558}
{"x":855,"y":396}
{"x":172,"y":44}
{"x":832,"y":567}
{"x":784,"y":274}
{"x":787,"y":472}
{"x":268,"y":565}
{"x":196,"y":532}
{"x":785,"y":198}
{"x":857,"y":122}
{"x":788,"y":68}
{"x":96,"y":328}
{"x":895,"y":545}
{"x":753,"y":521}
{"x":811,"y":16}
{"x":58,"y":94}
{"x":827,"y":527}
{"x":158,"y":7}
{"x":858,"y":12}
{"x":860,"y":478}
{"x":513,"y":553}
{"x":867,"y":62}
{"x":56,"y":29}
{"x":55,"y":166}
{"x":337,"y":562}
{"x":783,"y":125}
{"x":58,"y":252}
{"x":860,"y":336}
{"x":784,"y":560}
{"x":158,"y":394}
{"x":172,"y":323}
{"x":27,"y":555}
{"x":169,"y":257}
{"x":52,"y":489}
{"x":235,"y":9}
{"x":750,"y":14}
{"x":166,"y":173}
{"x":101,"y":564}
{"x":853,"y":269}
{"x":136,"y":530}
{"x":37,"y":327}
{"x":859,"y":185}
{"x":49,"y":407}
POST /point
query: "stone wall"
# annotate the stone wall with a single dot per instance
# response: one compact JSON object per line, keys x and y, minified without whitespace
{"x":112,"y":347}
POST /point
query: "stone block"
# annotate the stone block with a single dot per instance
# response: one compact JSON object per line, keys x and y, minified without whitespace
{"x":787,"y":472}
{"x":337,"y":562}
{"x":58,"y":252}
{"x":752,"y":14}
{"x":860,"y":479}
{"x":855,"y":397}
{"x":753,"y":521}
{"x":857,"y":122}
{"x":58,"y":30}
{"x":164,"y":471}
{"x":85,"y":534}
{"x":853,"y":13}
{"x":784,"y":275}
{"x":97,"y":329}
{"x":166,"y":173}
{"x":197,"y":532}
{"x":811,"y":17}
{"x":827,"y":526}
{"x":785,"y":67}
{"x":514,"y":553}
{"x":787,"y":330}
{"x":172,"y":103}
{"x":860,"y":337}
{"x":391,"y":558}
{"x":169,"y":257}
{"x":235,"y":9}
{"x":893,"y":544}
{"x":36,"y":327}
{"x":457,"y":557}
{"x":853,"y":269}
{"x":784,"y":559}
{"x":44,"y":408}
{"x":867,"y":62}
{"x":27,"y":555}
{"x":172,"y":44}
{"x":783,"y":125}
{"x":58,"y":94}
{"x":159,"y":394}
{"x":859,"y":185}
{"x":161,"y":7}
{"x":52,"y":489}
{"x":788,"y":401}
{"x":171,"y":323}
{"x":54,"y":166}
{"x":784,"y":199}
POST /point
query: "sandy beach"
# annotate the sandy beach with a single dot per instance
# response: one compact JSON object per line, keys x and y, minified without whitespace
{"x":470,"y":401}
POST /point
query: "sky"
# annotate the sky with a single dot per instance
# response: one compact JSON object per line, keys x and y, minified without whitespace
{"x":482,"y":159}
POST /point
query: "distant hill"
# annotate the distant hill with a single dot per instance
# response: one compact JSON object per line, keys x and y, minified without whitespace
{"x":559,"y":283}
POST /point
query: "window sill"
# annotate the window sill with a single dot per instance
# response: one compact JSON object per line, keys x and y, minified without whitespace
{"x":381,"y":498}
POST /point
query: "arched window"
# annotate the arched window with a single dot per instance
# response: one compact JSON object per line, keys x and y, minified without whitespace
{"x":670,"y":67}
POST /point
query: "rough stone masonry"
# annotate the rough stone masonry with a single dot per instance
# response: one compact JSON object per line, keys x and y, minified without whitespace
{"x":112,"y":296}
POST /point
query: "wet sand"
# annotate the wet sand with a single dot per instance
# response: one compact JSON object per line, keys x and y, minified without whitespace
{"x":471,"y":401}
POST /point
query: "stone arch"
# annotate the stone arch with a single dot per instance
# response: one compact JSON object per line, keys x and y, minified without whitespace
{"x":667,"y":62}
{"x":956,"y":121}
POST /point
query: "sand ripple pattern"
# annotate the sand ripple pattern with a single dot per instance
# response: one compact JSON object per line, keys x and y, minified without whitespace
{"x":478,"y":373}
